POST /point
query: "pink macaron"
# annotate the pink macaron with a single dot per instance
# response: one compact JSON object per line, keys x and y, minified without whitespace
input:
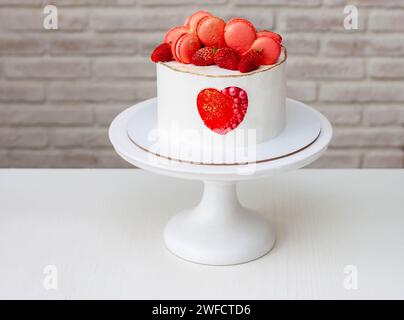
{"x":210,"y":31}
{"x":185,"y":47}
{"x":173,"y":34}
{"x":193,"y":20}
{"x":269,"y":48}
{"x":239,"y":34}
{"x":270,"y":34}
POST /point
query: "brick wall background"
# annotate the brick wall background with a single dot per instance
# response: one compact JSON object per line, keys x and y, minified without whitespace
{"x":59,"y":90}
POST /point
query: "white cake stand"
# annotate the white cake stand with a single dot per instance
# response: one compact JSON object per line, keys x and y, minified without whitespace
{"x":218,"y":231}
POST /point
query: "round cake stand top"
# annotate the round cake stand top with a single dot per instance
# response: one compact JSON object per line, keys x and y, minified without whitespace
{"x":148,"y":161}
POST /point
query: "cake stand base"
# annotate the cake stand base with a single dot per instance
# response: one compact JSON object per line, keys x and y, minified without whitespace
{"x":219,"y":231}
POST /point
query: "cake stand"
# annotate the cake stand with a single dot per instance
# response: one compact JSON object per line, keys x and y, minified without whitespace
{"x":218,"y":230}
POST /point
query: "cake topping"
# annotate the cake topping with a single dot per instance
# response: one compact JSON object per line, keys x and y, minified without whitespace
{"x":239,"y":35}
{"x":173,"y":34}
{"x":270,"y":48}
{"x":204,"y":56}
{"x":251,"y":60}
{"x":205,"y":39}
{"x":193,"y":20}
{"x":227,"y":58}
{"x":210,"y":31}
{"x":162,"y":53}
{"x":269,"y":34}
{"x":186,"y":46}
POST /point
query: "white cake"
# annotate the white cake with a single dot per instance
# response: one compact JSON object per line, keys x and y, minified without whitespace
{"x":179,"y":117}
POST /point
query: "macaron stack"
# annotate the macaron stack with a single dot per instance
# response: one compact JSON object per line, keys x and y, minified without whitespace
{"x":205,"y":40}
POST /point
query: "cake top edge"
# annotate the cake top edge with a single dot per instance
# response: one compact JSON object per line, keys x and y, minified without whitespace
{"x":216,"y":72}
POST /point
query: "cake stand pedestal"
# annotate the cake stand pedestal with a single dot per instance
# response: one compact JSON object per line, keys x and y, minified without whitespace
{"x":219,"y":230}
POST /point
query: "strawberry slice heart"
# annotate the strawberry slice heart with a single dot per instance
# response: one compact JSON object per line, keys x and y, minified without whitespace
{"x":222,"y":111}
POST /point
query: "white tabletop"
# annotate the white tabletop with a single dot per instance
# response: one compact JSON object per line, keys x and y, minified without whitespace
{"x":101,"y":230}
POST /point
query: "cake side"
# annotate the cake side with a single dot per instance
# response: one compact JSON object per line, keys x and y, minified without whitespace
{"x":179,"y":115}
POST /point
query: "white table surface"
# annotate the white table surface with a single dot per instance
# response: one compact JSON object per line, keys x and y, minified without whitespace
{"x":102,"y":229}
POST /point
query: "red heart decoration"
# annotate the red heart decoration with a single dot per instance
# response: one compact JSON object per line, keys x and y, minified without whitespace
{"x":222,"y":111}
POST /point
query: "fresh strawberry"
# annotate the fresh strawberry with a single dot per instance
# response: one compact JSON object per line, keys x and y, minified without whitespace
{"x":227,"y":58}
{"x":204,"y":56}
{"x":250,"y":61}
{"x":162,"y":53}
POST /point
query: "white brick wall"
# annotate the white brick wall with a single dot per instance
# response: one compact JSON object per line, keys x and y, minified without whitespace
{"x":59,"y":90}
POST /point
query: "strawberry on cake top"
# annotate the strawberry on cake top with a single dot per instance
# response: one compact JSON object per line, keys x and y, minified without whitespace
{"x":208,"y":42}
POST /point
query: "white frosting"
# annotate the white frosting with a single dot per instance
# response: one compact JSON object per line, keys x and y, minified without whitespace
{"x":178,"y":86}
